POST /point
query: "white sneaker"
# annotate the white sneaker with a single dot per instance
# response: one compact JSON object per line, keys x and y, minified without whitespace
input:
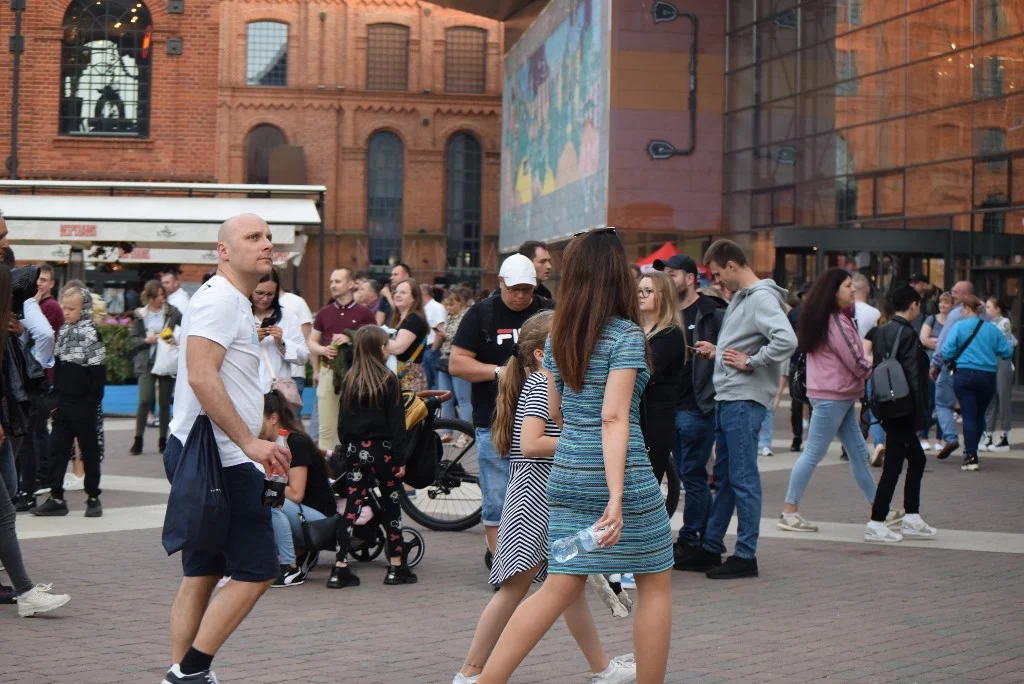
{"x":766,"y":452}
{"x":894,"y":517}
{"x":40,"y":600}
{"x":794,"y":522}
{"x":41,"y":491}
{"x":925,"y":446}
{"x":73,"y":483}
{"x":463,"y":679}
{"x":917,"y":529}
{"x":878,"y":457}
{"x":628,"y":581}
{"x":620,"y":670}
{"x":985,"y":442}
{"x":881,"y":533}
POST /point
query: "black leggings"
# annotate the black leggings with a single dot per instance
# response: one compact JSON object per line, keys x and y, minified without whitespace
{"x":371,"y":464}
{"x":659,"y":430}
{"x":901,"y":442}
{"x":75,"y":420}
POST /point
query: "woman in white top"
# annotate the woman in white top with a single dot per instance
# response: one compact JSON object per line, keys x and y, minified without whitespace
{"x":280,"y":335}
{"x":999,"y":410}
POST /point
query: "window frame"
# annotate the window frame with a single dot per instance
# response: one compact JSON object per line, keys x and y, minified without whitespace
{"x":390,"y":207}
{"x":450,"y":55}
{"x":379,"y":74}
{"x":475,"y":248}
{"x":271,"y":68}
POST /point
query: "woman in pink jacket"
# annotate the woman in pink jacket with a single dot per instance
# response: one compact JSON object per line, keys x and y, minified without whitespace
{"x":836,"y":371}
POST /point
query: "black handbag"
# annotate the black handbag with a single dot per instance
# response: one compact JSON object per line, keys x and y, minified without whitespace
{"x":320,"y":535}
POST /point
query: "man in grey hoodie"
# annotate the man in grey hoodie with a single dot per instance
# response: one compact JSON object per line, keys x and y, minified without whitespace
{"x":755,"y":338}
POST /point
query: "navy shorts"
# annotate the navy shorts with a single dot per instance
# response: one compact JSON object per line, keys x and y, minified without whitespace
{"x":250,"y":553}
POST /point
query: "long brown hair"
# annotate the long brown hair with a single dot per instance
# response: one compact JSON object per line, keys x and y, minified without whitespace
{"x":818,"y":306}
{"x":417,"y":304}
{"x":366,"y":381}
{"x":513,"y":374}
{"x":596,"y":286}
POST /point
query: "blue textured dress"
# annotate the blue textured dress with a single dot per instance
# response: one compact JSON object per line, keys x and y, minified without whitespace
{"x":577,"y":489}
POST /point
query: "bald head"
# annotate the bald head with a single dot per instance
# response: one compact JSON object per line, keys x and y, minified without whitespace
{"x":962,"y":290}
{"x":238,"y":225}
{"x":244,"y":250}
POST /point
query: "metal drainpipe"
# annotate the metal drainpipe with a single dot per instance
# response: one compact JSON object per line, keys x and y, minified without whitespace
{"x":662,"y":149}
{"x":17,"y":46}
{"x":323,"y":242}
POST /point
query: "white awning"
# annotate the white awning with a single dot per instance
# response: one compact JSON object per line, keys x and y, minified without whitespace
{"x":84,"y":234}
{"x":290,"y":253}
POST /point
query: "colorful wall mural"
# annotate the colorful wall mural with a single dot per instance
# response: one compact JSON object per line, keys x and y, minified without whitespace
{"x":554,"y":155}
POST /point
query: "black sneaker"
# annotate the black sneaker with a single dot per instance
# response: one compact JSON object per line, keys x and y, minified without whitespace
{"x":136,"y":447}
{"x":174,"y":676}
{"x":843,"y":456}
{"x":24,"y":503}
{"x":93,"y":507}
{"x":400,"y":575}
{"x":947,"y":450}
{"x":289,"y":577}
{"x":7,"y":595}
{"x":51,"y":507}
{"x":342,"y":577}
{"x":970,"y":463}
{"x":696,"y":559}
{"x":1002,"y":446}
{"x":734,"y":567}
{"x":797,"y":445}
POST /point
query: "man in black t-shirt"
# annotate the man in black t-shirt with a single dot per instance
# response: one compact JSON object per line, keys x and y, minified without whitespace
{"x":481,"y":347}
{"x":695,"y":409}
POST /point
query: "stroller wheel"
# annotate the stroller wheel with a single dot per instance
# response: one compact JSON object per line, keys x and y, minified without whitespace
{"x":365,"y":548}
{"x":414,"y":546}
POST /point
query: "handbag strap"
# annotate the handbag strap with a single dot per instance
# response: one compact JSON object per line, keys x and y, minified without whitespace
{"x":270,"y":367}
{"x":849,"y":345}
{"x":967,"y":343}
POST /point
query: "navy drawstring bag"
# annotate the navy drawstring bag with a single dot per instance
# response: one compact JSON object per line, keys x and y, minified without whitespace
{"x":198,"y":510}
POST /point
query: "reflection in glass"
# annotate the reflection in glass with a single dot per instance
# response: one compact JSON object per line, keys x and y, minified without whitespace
{"x":267,"y":54}
{"x":385,"y":180}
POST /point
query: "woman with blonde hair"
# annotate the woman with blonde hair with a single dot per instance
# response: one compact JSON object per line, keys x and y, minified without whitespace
{"x":663,"y":326}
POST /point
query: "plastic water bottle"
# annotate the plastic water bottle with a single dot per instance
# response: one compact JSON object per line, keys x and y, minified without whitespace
{"x":274,"y":482}
{"x":568,"y":548}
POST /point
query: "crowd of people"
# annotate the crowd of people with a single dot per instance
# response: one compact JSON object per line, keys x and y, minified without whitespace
{"x":580,"y":409}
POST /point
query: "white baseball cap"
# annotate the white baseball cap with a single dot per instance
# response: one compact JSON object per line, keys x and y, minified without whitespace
{"x":518,"y":270}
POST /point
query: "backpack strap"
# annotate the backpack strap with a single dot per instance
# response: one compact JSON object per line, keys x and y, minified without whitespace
{"x":896,"y":344}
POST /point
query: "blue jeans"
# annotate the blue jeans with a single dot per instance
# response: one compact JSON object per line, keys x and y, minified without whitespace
{"x":493,"y":478}
{"x":764,"y":439}
{"x":737,"y":479}
{"x":300,"y":384}
{"x":695,"y":435}
{"x":462,"y":390}
{"x":430,"y":359}
{"x":945,"y":400}
{"x":8,"y":471}
{"x":829,"y":419}
{"x":288,"y":528}
{"x":974,"y":390}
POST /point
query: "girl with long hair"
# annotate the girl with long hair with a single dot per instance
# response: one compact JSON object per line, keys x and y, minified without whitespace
{"x":836,"y":371}
{"x":602,"y":477}
{"x":308,"y":491}
{"x":411,"y":330}
{"x":1000,"y":409}
{"x":31,"y":598}
{"x":525,"y":432}
{"x":371,"y":427}
{"x":663,"y":327}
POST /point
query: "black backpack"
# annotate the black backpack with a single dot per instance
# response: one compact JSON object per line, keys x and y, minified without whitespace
{"x":798,"y":377}
{"x":890,"y":391}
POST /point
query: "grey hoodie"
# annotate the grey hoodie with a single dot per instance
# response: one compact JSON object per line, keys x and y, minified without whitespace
{"x":755,"y":324}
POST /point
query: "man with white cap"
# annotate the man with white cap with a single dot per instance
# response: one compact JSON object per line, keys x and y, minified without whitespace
{"x":481,"y":347}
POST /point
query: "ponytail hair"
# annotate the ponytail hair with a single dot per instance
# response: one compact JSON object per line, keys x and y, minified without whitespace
{"x":513,"y":375}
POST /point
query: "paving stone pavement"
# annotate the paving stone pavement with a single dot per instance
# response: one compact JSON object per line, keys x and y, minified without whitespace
{"x":820,"y":611}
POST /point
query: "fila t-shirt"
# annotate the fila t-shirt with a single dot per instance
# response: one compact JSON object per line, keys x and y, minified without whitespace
{"x":489,"y":329}
{"x":221,"y":314}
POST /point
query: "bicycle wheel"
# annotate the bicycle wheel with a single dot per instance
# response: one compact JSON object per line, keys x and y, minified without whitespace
{"x":670,"y":487}
{"x":453,"y":501}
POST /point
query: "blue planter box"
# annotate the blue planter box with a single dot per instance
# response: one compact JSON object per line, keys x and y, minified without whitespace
{"x":122,"y":400}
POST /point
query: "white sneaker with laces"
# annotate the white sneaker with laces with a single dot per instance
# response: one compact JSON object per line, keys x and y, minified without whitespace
{"x":794,"y":522}
{"x":40,"y":600}
{"x":620,"y":670}
{"x":917,"y":529}
{"x":881,"y":534}
{"x":463,"y":679}
{"x":73,"y":483}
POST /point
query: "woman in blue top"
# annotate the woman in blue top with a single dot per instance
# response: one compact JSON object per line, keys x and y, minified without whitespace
{"x":975,"y":379}
{"x":601,"y":477}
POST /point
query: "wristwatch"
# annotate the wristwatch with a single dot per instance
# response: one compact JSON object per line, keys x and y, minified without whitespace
{"x":497,"y":370}
{"x":747,"y":363}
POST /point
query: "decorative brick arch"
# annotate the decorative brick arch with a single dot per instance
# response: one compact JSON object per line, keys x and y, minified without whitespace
{"x":451,"y":131}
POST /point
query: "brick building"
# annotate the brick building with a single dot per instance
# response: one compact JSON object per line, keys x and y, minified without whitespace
{"x":393,"y":105}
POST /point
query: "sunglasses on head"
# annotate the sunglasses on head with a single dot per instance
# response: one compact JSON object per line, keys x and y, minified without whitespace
{"x":594,"y":230}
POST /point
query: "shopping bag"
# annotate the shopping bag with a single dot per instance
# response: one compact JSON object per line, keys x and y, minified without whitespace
{"x":166,"y":361}
{"x":198,"y":510}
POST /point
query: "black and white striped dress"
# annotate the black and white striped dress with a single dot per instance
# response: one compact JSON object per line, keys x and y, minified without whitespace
{"x":523,"y":532}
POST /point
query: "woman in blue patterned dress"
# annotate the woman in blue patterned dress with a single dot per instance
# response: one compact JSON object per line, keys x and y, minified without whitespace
{"x":601,"y":476}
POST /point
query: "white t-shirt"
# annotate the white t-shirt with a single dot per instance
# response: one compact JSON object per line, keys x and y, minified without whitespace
{"x":436,"y":314}
{"x":179,"y":300}
{"x":295,"y":350}
{"x":222,"y":314}
{"x":867,"y":318}
{"x":296,"y":306}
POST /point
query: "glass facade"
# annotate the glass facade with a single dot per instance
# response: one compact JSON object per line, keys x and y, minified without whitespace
{"x":875,"y":114}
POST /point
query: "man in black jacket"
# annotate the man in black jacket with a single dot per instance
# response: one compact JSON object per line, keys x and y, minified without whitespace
{"x":695,"y":407}
{"x":901,"y":433}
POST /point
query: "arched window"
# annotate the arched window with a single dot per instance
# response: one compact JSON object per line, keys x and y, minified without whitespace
{"x":384,"y":190}
{"x":105,"y":74}
{"x":259,"y":145}
{"x":465,"y":60}
{"x":266,"y":57}
{"x":463,"y":201}
{"x":387,"y":57}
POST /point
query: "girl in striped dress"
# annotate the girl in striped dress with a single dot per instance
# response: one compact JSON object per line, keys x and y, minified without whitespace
{"x":525,"y":431}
